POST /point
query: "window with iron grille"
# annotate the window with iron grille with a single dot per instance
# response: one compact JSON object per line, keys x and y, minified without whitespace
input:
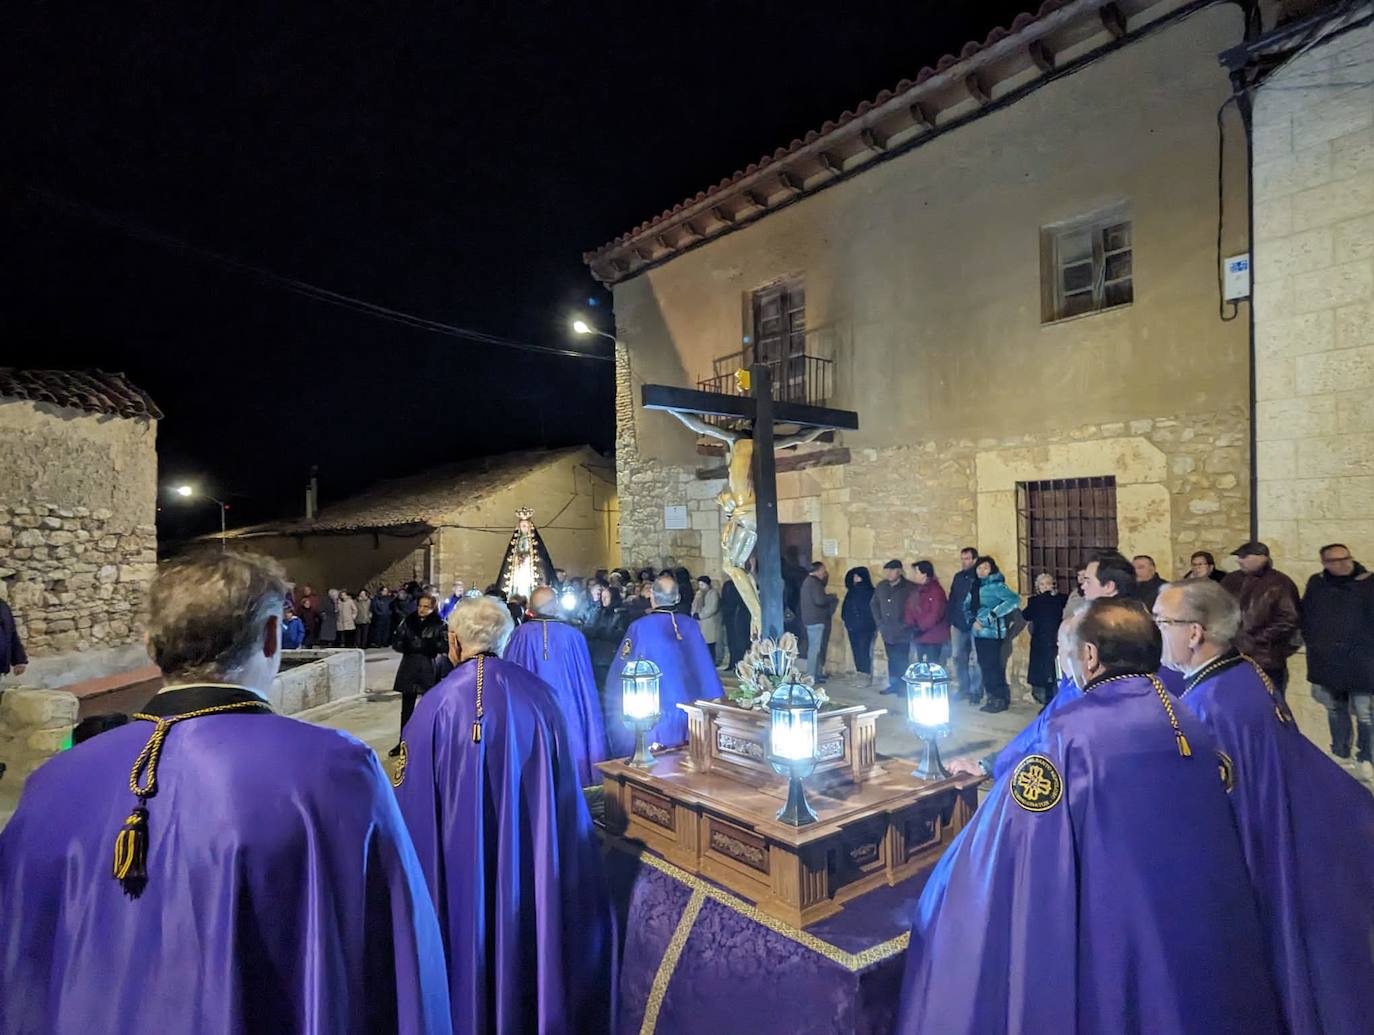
{"x":1059,"y":523}
{"x":779,"y":337}
{"x":1086,"y":264}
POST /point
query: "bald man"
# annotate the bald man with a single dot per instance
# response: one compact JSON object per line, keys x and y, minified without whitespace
{"x":556,"y":652}
{"x":674,"y":643}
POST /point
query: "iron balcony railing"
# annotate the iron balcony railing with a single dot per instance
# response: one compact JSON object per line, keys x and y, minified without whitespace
{"x":796,"y":379}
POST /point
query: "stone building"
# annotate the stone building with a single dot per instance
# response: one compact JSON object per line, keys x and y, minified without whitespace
{"x":1314,"y":284}
{"x":1008,"y":267}
{"x":451,"y":522}
{"x":78,"y":498}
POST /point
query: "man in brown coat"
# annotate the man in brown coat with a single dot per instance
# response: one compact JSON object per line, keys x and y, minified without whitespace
{"x":1269,"y":615}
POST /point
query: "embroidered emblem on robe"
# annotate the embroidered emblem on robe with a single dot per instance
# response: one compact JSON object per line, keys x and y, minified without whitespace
{"x":1036,"y":784}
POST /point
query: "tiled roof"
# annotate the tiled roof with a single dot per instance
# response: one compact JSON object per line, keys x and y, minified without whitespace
{"x":94,"y":391}
{"x":420,"y":501}
{"x":911,"y":105}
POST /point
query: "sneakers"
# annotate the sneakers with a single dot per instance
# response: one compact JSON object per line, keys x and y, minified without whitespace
{"x":1364,"y":772}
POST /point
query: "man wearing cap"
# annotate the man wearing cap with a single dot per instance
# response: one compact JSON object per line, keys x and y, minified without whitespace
{"x":1101,"y":885}
{"x":889,"y":612}
{"x":211,"y":867}
{"x":1270,"y":620}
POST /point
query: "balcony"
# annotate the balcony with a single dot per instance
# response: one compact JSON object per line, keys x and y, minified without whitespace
{"x":796,"y":379}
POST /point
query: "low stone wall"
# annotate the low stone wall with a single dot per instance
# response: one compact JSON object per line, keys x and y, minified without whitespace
{"x":34,"y":726}
{"x":317,"y":677}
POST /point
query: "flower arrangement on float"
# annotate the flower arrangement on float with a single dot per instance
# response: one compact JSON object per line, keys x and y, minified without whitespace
{"x":769,"y":665}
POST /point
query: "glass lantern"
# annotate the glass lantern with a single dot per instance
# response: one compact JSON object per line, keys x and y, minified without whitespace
{"x":792,"y":746}
{"x":927,"y":709}
{"x":639,"y":706}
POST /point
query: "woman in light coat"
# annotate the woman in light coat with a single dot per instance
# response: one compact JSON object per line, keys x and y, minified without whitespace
{"x":706,"y":610}
{"x":348,"y":618}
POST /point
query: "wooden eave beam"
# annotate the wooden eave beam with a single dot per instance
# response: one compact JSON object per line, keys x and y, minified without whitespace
{"x":662,"y":242}
{"x":789,"y":182}
{"x":1040,"y":54}
{"x":754,"y":198}
{"x":1113,"y":19}
{"x":690,"y":229}
{"x":829,"y":163}
{"x":722,"y":215}
{"x":977,"y":89}
{"x":644,"y":254}
{"x":921,"y":116}
{"x":872,"y":141}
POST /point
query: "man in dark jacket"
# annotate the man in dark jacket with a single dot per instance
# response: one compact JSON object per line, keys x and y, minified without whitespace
{"x":1148,"y":582}
{"x":1269,"y":615}
{"x":12,"y":656}
{"x":889,"y":612}
{"x":817,"y":607}
{"x":1338,"y":626}
{"x":961,"y":636}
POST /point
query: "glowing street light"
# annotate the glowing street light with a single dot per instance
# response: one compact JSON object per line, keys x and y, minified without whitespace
{"x":187,"y":491}
{"x":581,"y":326}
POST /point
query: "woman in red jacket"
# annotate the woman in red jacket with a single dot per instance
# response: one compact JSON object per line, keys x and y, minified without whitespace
{"x":925,"y":613}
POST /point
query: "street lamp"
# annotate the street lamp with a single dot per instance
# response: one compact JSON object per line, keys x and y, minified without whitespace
{"x":792,"y":746}
{"x":187,"y":491}
{"x":581,"y":326}
{"x":927,"y":709}
{"x":639,"y":706}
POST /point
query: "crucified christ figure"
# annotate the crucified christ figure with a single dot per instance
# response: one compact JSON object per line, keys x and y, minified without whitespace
{"x":741,"y":529}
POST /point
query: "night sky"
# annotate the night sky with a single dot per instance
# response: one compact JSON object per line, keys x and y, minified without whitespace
{"x":449,"y":160}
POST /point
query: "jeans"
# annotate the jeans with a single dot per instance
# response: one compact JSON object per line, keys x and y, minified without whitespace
{"x":898,"y":658}
{"x":861,"y":646}
{"x":970,"y":677}
{"x":931,"y":653}
{"x":363,"y":631}
{"x":1339,"y":704}
{"x":991,"y":661}
{"x":815,"y":652}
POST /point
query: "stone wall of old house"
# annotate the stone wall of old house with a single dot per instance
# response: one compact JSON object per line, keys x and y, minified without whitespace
{"x":78,"y":546}
{"x":1314,"y":302}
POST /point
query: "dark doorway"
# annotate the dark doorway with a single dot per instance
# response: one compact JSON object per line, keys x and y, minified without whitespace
{"x":795,"y":541}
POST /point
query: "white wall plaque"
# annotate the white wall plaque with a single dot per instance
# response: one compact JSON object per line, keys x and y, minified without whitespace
{"x":830,"y":547}
{"x":676,"y":517}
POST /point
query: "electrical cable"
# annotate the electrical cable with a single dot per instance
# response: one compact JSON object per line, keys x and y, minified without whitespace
{"x":300,"y":287}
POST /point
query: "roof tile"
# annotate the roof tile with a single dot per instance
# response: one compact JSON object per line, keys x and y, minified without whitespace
{"x":94,"y":391}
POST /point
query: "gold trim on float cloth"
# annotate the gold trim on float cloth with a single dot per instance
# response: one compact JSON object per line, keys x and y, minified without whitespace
{"x":851,"y":961}
{"x":658,"y":991}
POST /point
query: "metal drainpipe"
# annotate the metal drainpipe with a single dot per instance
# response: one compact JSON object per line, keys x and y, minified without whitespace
{"x":1243,"y":104}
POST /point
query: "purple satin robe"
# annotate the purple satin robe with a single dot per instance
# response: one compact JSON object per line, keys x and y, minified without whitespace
{"x":507,"y":846}
{"x":1307,"y":828}
{"x":673,"y":642}
{"x":1030,"y":738}
{"x":1122,"y":905}
{"x":283,"y":892}
{"x":557,"y":653}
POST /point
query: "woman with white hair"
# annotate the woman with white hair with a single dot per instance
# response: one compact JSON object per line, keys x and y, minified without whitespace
{"x":1044,"y":611}
{"x":488,"y":787}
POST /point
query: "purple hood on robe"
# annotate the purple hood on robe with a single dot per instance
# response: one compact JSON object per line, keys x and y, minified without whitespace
{"x":1099,"y":888}
{"x":673,"y":642}
{"x":508,"y":849}
{"x":557,"y":653}
{"x":282,"y":894}
{"x":1307,"y":828}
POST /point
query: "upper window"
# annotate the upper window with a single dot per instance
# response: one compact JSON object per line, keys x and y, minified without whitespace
{"x":1086,"y":264}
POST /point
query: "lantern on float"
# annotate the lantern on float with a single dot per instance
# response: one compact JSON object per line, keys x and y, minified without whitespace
{"x":927,"y":709}
{"x":792,"y":746}
{"x":639,"y":706}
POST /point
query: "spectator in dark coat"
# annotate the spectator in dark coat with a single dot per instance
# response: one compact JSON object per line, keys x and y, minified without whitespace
{"x":857,"y":615}
{"x":889,"y":614}
{"x":381,"y":617}
{"x":1270,"y":621}
{"x":605,"y":629}
{"x":686,"y":591}
{"x":1148,"y":581}
{"x":927,"y":613}
{"x":419,"y":639}
{"x":12,"y":656}
{"x":817,"y":610}
{"x":1202,"y":565}
{"x":1338,"y":626}
{"x":735,"y":618}
{"x":308,"y":610}
{"x":961,"y":635}
{"x":1044,"y":612}
{"x":329,"y":618}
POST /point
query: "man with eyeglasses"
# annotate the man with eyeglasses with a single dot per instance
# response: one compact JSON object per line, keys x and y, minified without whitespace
{"x":1307,"y":828}
{"x":1338,"y":625}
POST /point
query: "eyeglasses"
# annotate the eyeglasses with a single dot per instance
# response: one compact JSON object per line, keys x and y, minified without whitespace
{"x":1337,"y":560}
{"x":1160,"y":620}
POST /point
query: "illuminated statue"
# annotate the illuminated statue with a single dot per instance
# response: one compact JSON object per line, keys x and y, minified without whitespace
{"x":527,"y":564}
{"x":741,"y":531}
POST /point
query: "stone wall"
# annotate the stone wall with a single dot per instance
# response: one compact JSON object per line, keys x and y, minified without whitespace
{"x":1314,"y":302}
{"x":78,"y":545}
{"x":34,"y":726}
{"x":316,"y":677}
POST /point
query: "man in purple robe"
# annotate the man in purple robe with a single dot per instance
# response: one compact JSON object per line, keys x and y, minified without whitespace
{"x":1306,"y":825}
{"x":488,"y":786}
{"x":211,"y":867}
{"x":1101,"y":885}
{"x":557,"y":653}
{"x":674,"y":643}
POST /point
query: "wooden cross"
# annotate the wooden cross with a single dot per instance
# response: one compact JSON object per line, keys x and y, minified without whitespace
{"x":763,"y":413}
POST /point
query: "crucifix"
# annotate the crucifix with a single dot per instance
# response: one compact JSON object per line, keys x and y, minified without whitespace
{"x":750,"y":496}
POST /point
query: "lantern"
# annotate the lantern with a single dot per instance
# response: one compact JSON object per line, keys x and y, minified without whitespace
{"x":639,"y":706}
{"x":927,"y":709}
{"x":792,"y":746}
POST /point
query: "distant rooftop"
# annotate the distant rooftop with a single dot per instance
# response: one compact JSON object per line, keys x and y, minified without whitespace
{"x":94,"y":391}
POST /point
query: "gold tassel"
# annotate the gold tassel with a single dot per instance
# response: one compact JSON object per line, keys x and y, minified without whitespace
{"x":477,"y":732}
{"x":131,"y":850}
{"x":1184,"y":748}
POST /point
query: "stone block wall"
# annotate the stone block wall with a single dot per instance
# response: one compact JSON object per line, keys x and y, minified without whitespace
{"x":317,"y":677}
{"x":75,"y":578}
{"x":34,"y":725}
{"x":1314,"y":302}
